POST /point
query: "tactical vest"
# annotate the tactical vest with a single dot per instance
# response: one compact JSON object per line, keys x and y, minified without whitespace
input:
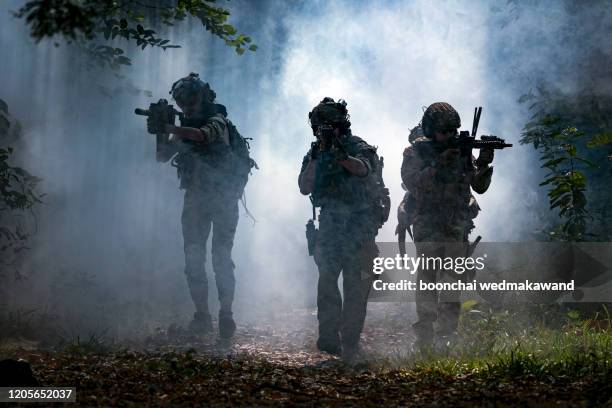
{"x":337,"y":191}
{"x":217,"y":167}
{"x":448,"y":201}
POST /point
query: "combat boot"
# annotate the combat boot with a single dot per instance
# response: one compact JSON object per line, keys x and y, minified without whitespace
{"x":330,"y":345}
{"x":424,"y":342}
{"x":445,"y":342}
{"x":227,"y":326}
{"x":352,"y":354}
{"x":201,"y":323}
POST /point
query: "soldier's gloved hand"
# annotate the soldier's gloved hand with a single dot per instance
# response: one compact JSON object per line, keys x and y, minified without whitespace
{"x":485,"y":157}
{"x":155,"y":126}
{"x":449,"y":156}
{"x":340,"y":154}
{"x":314,"y":150}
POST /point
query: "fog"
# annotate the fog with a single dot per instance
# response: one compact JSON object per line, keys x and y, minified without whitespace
{"x":108,"y":250}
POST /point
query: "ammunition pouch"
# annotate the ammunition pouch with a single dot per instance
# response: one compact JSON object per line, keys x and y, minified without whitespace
{"x":184,"y":163}
{"x":385,"y":206}
{"x":311,"y":236}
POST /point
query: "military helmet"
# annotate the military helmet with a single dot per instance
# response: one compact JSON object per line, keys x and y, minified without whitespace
{"x":440,"y":117}
{"x":188,"y":88}
{"x":330,"y":112}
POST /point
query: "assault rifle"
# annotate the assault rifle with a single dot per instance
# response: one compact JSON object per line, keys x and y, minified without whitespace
{"x":465,"y":142}
{"x":160,"y":113}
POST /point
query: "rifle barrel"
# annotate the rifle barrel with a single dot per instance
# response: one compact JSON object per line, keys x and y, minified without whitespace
{"x":491,"y":144}
{"x":141,"y":112}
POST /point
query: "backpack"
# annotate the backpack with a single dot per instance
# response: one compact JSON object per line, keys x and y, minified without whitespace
{"x":378,"y":193}
{"x":242,"y":162}
{"x":381,"y":201}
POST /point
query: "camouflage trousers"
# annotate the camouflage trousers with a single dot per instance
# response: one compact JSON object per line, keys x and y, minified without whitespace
{"x":201,"y":213}
{"x":441,"y":307}
{"x":343,"y":248}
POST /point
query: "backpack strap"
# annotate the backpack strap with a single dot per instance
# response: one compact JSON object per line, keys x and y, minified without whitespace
{"x":314,"y":210}
{"x":246,"y":210}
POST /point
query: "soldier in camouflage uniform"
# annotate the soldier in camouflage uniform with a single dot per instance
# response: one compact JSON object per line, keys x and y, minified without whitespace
{"x":440,"y":180}
{"x":203,"y":157}
{"x":336,"y":171}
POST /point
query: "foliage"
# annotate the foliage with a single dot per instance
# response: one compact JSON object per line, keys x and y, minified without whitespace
{"x":94,"y":24}
{"x":572,"y":139}
{"x":567,"y":74}
{"x":17,"y":193}
{"x":17,"y":186}
{"x":31,"y":324}
{"x":557,"y":144}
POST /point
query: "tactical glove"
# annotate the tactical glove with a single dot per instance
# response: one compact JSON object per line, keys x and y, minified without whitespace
{"x":340,"y":154}
{"x":314,"y":150}
{"x":155,"y":125}
{"x":485,"y":157}
{"x":339,"y":151}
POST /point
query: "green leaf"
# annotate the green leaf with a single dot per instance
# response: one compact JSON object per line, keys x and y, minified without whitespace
{"x":229,"y":29}
{"x":550,"y":180}
{"x":563,"y":201}
{"x":578,"y":179}
{"x":587,"y":162}
{"x":600,"y":140}
{"x":552,"y":163}
{"x":123,"y":60}
{"x":468,"y":305}
{"x":559,"y":190}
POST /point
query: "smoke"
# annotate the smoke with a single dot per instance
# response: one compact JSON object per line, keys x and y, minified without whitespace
{"x":109,"y":242}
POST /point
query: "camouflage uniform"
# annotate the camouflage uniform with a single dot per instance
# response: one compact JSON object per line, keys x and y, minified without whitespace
{"x":207,"y":173}
{"x":210,"y":202}
{"x":443,"y":213}
{"x":344,"y":243}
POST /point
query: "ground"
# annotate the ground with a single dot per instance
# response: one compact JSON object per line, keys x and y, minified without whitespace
{"x":268,"y":365}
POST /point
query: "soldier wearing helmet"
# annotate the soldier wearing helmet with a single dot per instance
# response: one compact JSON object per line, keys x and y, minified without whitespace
{"x":201,"y":151}
{"x":440,"y":183}
{"x":337,"y":172}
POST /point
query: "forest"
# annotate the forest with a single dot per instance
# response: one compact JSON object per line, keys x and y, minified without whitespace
{"x":93,"y":293}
